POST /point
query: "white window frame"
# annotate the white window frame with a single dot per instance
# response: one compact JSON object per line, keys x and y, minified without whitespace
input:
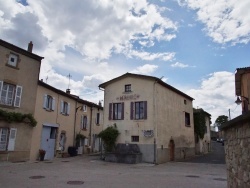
{"x":49,"y":102}
{"x":14,"y":57}
{"x":84,"y":108}
{"x":65,"y":108}
{"x":3,"y":139}
{"x":84,"y":122}
{"x":13,"y":99}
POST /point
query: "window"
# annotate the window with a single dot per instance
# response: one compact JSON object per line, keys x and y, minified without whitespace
{"x":13,"y":60}
{"x":187,"y":119}
{"x":84,"y":108}
{"x":128,"y":88}
{"x":10,"y":94}
{"x":3,"y":139}
{"x":138,"y":110}
{"x":116,"y":111}
{"x":185,"y":101}
{"x":98,"y":118}
{"x":65,"y":108}
{"x":135,"y":138}
{"x":49,"y":103}
{"x":84,"y":122}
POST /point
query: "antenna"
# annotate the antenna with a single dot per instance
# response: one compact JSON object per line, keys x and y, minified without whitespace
{"x":47,"y":79}
{"x":69,"y":76}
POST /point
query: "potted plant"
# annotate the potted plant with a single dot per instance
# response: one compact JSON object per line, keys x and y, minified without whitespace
{"x":41,"y":154}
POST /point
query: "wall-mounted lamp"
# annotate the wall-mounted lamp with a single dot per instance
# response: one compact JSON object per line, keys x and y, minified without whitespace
{"x":238,"y":101}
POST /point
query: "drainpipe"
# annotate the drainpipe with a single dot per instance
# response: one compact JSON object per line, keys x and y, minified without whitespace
{"x":74,"y":144}
{"x":155,"y":125}
{"x":90,"y":128}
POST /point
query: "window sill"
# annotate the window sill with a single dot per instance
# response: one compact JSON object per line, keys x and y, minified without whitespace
{"x":187,"y":125}
{"x":48,"y":110}
{"x":7,"y":106}
{"x":65,"y":114}
{"x":13,"y":67}
{"x":127,"y":92}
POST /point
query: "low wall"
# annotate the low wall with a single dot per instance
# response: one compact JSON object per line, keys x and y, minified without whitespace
{"x":123,"y":158}
{"x":237,"y":150}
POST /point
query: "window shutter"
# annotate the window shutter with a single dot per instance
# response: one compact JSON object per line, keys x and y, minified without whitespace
{"x":81,"y":125}
{"x":61,"y":110}
{"x":12,"y":138}
{"x":45,"y":101}
{"x":110,"y":111}
{"x":1,"y":85}
{"x":145,"y":109}
{"x":68,"y":109}
{"x":132,"y":110}
{"x":53,"y":103}
{"x":17,"y":101}
{"x":86,"y":122}
{"x":122,"y":111}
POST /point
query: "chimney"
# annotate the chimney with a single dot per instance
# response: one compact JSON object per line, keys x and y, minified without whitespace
{"x":68,"y":91}
{"x":30,"y":47}
{"x":100,"y":104}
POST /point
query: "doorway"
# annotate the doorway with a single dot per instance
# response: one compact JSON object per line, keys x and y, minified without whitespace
{"x":48,"y":141}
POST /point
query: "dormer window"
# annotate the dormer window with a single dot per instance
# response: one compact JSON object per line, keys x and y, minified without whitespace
{"x":128,"y":88}
{"x":13,"y":60}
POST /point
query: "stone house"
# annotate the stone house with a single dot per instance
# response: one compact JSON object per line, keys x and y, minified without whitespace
{"x":152,"y":114}
{"x":237,"y":134}
{"x":203,"y":146}
{"x":62,"y":116}
{"x":19,"y":73}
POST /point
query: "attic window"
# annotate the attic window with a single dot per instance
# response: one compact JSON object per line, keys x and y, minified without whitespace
{"x":128,"y":88}
{"x":185,"y":101}
{"x":13,"y":59}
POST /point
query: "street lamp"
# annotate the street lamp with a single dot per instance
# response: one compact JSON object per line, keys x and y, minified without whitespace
{"x":239,"y":101}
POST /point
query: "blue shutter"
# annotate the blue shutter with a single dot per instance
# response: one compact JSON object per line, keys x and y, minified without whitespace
{"x":45,"y":101}
{"x":68,"y":109}
{"x":18,"y":95}
{"x":122,"y":116}
{"x":145,"y":109}
{"x":132,"y":110}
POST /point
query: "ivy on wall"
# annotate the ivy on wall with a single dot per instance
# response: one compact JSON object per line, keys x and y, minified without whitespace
{"x":18,"y":117}
{"x":200,"y":123}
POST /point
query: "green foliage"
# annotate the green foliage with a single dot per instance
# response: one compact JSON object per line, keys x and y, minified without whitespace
{"x":18,"y":117}
{"x":220,"y":120}
{"x":200,"y":123}
{"x":109,"y":136}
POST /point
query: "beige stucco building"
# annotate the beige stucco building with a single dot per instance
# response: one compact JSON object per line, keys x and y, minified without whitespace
{"x":152,"y":114}
{"x":203,"y":146}
{"x":19,"y":73}
{"x":61,"y":116}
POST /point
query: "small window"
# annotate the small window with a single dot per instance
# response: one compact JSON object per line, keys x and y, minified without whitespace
{"x":84,"y":108}
{"x":135,"y":138}
{"x":65,"y":108}
{"x":187,"y":119}
{"x":13,"y":59}
{"x":128,"y":88}
{"x":185,"y":101}
{"x":49,"y":103}
{"x":10,"y":95}
{"x":3,"y":139}
{"x":98,"y":118}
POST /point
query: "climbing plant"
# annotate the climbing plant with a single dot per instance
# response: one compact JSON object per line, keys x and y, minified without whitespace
{"x":18,"y":117}
{"x":109,"y":137}
{"x":200,"y":123}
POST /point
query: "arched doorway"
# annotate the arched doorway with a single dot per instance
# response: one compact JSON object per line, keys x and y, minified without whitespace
{"x":171,"y":150}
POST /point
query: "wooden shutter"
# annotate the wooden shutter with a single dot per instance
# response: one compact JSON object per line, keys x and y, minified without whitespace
{"x":110,"y":111}
{"x":45,"y":101}
{"x":12,"y":138}
{"x":53,"y":104}
{"x":122,"y":116}
{"x":132,"y":110}
{"x":68,"y":109}
{"x":1,"y":85}
{"x":145,"y":110}
{"x":18,"y":95}
{"x":61,"y":110}
{"x":81,"y":125}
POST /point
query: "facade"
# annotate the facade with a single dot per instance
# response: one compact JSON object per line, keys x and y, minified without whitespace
{"x":19,"y":73}
{"x":203,"y":146}
{"x":152,"y":114}
{"x":237,"y":134}
{"x":62,"y":116}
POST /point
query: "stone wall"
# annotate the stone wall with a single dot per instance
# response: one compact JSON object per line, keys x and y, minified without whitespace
{"x":237,"y":149}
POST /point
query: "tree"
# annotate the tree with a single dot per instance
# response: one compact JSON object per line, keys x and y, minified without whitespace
{"x":109,"y":136}
{"x":221,"y":120}
{"x":200,"y":123}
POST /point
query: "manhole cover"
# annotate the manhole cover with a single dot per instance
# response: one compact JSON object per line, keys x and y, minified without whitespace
{"x":37,"y":177}
{"x":220,"y":179}
{"x":192,"y":176}
{"x":75,"y":182}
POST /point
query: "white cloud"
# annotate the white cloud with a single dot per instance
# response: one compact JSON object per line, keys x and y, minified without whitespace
{"x":180,"y":65}
{"x":145,"y":69}
{"x":226,"y":21}
{"x":216,"y":95}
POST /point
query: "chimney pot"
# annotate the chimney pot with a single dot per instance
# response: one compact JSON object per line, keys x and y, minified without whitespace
{"x":30,"y":47}
{"x":68,"y":91}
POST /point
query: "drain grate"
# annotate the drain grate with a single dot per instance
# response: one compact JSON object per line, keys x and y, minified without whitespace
{"x":75,"y":182}
{"x":37,"y":177}
{"x":192,"y":176}
{"x":220,"y":179}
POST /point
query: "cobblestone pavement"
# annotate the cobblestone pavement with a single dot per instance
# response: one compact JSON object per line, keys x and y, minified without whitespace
{"x":89,"y":171}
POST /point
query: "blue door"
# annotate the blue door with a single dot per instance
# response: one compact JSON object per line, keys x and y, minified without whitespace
{"x":48,"y":141}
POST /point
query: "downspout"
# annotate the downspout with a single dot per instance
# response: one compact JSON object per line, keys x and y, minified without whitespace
{"x":90,"y":128}
{"x":155,"y":126}
{"x":76,"y":108}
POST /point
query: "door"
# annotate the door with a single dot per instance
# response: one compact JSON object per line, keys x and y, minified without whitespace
{"x":48,"y":141}
{"x":12,"y":138}
{"x":171,"y":148}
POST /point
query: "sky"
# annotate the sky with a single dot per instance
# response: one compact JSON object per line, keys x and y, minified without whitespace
{"x":193,"y":45}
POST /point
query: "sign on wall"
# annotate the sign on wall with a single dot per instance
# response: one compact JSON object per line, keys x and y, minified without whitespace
{"x":128,"y":97}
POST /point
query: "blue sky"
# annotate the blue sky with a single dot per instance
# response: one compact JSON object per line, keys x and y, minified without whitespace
{"x":195,"y":45}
